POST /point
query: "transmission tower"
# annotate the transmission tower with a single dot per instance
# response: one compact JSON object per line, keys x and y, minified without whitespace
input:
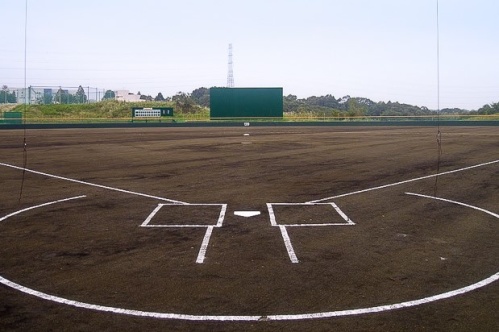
{"x":230,"y":72}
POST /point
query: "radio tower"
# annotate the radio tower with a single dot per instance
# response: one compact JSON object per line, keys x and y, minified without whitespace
{"x":230,"y":73}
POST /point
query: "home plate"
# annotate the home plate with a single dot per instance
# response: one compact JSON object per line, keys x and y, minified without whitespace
{"x":247,"y":214}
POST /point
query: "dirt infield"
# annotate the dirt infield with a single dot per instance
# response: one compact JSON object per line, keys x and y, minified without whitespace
{"x":140,"y":229}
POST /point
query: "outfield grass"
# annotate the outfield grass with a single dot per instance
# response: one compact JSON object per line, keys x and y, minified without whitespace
{"x":118,"y":112}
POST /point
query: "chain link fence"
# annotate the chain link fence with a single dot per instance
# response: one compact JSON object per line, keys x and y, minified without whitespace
{"x":57,"y":95}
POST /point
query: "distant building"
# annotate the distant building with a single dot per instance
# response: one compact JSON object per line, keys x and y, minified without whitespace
{"x":62,"y":95}
{"x":126,"y":96}
{"x":29,"y":95}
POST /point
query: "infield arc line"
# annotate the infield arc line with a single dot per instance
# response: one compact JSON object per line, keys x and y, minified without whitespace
{"x":455,"y":202}
{"x":41,"y":205}
{"x":317,"y":315}
{"x":330,"y":314}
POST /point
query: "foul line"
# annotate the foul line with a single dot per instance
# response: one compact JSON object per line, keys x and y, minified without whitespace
{"x":405,"y":181}
{"x":93,"y":184}
{"x":329,"y":314}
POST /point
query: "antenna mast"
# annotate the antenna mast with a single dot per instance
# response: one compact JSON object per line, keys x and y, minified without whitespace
{"x":230,"y":72}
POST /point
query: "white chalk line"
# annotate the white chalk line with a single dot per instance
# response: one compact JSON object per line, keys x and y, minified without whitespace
{"x":41,"y":205}
{"x":404,"y":182}
{"x":284,"y":234}
{"x":149,"y":218}
{"x":317,"y":225}
{"x":289,"y":246}
{"x":284,"y":231}
{"x":93,"y":184}
{"x":222,"y":215}
{"x":207,"y":236}
{"x":455,"y":202}
{"x":342,"y":214}
{"x":271,"y":214}
{"x":330,"y":314}
{"x":209,"y":228}
{"x":151,"y":215}
{"x":204,"y":245}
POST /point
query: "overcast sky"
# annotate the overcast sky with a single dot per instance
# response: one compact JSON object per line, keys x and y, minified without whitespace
{"x":385,"y":50}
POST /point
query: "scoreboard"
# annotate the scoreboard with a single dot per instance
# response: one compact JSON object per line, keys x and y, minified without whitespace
{"x":151,"y":112}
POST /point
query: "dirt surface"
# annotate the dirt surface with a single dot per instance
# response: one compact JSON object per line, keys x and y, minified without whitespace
{"x":337,"y":229}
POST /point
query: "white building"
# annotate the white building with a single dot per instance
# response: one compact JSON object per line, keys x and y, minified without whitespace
{"x":127,"y":96}
{"x":33,"y":95}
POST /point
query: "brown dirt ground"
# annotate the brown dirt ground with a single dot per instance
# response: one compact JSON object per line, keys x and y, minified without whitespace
{"x":401,"y":247}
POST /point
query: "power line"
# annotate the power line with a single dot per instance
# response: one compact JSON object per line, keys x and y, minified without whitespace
{"x":439,"y":133}
{"x":25,"y":143}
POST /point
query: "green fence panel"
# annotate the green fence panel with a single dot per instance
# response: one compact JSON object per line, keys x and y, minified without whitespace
{"x":246,"y":102}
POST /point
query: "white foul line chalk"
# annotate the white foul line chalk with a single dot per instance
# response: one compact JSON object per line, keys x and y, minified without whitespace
{"x":404,"y":182}
{"x":93,"y":184}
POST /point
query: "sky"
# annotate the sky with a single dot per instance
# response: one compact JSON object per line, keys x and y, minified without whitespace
{"x":384,"y":50}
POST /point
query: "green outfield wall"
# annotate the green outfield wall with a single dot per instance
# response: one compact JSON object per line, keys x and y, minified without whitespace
{"x":246,"y":103}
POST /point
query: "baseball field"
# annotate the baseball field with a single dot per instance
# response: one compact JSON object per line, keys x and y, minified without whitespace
{"x":249,"y":228}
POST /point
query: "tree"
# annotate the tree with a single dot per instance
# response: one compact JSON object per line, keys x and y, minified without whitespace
{"x":81,"y":97}
{"x":184,"y":102}
{"x":6,"y":97}
{"x":109,"y":95}
{"x":5,"y":89}
{"x":291,"y":103}
{"x":64,"y":97}
{"x":47,"y":97}
{"x":201,"y":96}
{"x":489,"y":109}
{"x":58,"y":98}
{"x":159,"y":97}
{"x":355,"y":108}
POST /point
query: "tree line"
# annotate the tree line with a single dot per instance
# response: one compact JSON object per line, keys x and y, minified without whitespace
{"x":360,"y":106}
{"x":328,"y":105}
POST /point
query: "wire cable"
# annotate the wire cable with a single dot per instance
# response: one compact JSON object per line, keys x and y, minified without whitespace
{"x":439,"y":133}
{"x":25,"y":143}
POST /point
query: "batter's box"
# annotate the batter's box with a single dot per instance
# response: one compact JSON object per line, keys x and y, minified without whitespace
{"x":304,"y":215}
{"x":186,"y":215}
{"x":207,"y":216}
{"x":307,"y":215}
